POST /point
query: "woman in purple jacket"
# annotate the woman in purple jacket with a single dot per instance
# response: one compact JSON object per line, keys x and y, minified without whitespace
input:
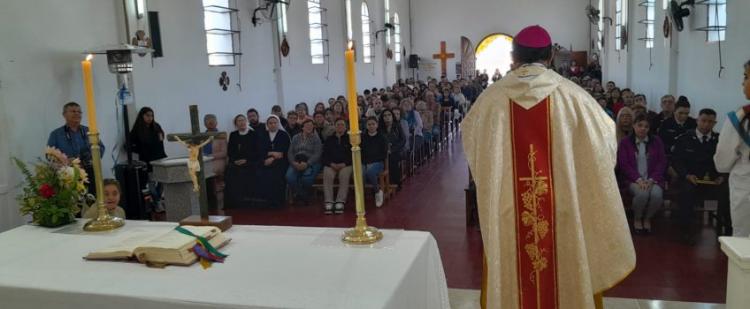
{"x":642,"y":162}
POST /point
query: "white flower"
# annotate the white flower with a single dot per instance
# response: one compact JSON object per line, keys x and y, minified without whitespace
{"x":66,"y":172}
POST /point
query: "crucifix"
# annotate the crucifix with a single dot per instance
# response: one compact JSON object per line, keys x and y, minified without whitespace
{"x":443,"y":56}
{"x":194,"y":141}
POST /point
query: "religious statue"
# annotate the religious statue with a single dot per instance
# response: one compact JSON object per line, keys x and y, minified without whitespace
{"x":193,"y":164}
{"x":141,"y":40}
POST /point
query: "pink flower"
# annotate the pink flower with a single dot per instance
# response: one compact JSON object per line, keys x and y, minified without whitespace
{"x":46,"y":191}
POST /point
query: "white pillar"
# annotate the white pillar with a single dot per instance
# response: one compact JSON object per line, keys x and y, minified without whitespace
{"x":737,"y":250}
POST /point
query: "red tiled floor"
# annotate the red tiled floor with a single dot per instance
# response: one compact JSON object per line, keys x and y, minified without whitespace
{"x":667,"y":269}
{"x":433,"y":200}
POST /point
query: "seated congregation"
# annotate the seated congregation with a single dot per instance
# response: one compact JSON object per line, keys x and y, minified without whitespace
{"x":665,"y":159}
{"x":289,"y":157}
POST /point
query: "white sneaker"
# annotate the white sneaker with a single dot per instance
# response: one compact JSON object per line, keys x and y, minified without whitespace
{"x":339,"y":208}
{"x":328,"y":210}
{"x":379,"y":198}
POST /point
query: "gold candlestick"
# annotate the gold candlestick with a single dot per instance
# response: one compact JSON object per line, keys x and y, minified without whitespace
{"x":361,"y":234}
{"x":103,"y":222}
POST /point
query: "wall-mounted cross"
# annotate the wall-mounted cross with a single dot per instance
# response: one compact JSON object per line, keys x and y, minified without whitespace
{"x":443,"y":56}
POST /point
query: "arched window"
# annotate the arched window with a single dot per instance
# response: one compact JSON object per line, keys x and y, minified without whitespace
{"x":600,"y":26}
{"x":717,"y":21}
{"x":397,"y":38}
{"x":220,"y":32}
{"x":650,"y":21}
{"x":349,"y":31}
{"x":282,"y":19}
{"x":317,"y":26}
{"x":387,"y":16}
{"x":621,"y":23}
{"x":366,"y":39}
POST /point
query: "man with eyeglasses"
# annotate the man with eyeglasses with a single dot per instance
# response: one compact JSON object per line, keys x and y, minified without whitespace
{"x":667,"y":111}
{"x":73,"y":141}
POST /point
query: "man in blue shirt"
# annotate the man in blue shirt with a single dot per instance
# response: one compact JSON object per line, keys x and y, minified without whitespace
{"x":73,"y":141}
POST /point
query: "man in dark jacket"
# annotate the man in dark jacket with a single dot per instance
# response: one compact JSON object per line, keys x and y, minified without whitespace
{"x":697,"y":178}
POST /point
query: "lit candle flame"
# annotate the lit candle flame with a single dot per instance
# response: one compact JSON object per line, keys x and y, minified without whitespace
{"x":351,"y":45}
{"x":89,"y":57}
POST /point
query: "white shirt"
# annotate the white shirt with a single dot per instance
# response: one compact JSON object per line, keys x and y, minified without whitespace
{"x":733,"y":157}
{"x":701,"y":135}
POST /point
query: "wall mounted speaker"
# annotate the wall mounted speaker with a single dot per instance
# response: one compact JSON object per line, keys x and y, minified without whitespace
{"x":413,"y":61}
{"x":153,"y":27}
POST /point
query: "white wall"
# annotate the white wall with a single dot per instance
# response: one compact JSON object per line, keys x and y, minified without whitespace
{"x":311,"y":83}
{"x":7,"y":216}
{"x":40,"y":70}
{"x":690,"y":66}
{"x":448,"y":20}
{"x":182,"y":77}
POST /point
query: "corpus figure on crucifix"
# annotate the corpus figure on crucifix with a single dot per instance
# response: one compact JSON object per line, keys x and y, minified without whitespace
{"x":194,"y":141}
{"x":193,"y":165}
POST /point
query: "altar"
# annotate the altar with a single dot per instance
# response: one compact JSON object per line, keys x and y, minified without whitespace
{"x":179,"y":198}
{"x":268,"y":267}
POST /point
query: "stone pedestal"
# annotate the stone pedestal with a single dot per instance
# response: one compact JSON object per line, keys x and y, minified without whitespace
{"x":737,"y":250}
{"x":179,"y":199}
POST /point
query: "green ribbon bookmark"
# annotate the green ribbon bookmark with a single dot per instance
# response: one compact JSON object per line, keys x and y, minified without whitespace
{"x":203,"y":241}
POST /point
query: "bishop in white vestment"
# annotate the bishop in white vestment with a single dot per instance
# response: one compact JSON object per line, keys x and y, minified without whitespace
{"x":542,"y":153}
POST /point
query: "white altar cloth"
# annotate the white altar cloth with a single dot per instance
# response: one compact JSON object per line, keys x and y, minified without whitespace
{"x":268,"y":267}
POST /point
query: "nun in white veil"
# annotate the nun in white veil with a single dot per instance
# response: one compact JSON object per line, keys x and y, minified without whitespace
{"x":273,"y":143}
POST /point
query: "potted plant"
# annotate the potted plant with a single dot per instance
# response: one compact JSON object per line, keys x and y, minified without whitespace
{"x":54,"y":188}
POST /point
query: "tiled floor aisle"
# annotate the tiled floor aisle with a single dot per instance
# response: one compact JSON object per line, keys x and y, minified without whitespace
{"x":433,"y":200}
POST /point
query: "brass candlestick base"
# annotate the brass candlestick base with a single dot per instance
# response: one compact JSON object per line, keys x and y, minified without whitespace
{"x":362,"y":234}
{"x":103,"y":222}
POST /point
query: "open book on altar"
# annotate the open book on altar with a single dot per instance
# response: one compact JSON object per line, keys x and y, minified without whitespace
{"x":171,"y":248}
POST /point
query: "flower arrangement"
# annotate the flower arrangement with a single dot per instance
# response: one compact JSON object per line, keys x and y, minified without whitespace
{"x":54,"y":190}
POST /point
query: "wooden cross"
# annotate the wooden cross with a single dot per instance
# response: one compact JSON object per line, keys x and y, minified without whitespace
{"x":196,"y":138}
{"x":443,"y":56}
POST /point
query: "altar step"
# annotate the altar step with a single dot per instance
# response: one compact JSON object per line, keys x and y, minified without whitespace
{"x":469,"y":299}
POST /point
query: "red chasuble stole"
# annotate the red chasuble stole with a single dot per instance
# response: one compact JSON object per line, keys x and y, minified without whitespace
{"x":534,"y":205}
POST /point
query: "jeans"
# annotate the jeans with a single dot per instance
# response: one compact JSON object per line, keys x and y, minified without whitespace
{"x":427,"y":135}
{"x":371,"y":172}
{"x":302,"y":181}
{"x":344,"y":175}
{"x":642,"y":198}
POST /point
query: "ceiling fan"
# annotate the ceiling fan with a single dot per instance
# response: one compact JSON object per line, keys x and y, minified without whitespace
{"x":678,"y":11}
{"x":266,"y":11}
{"x":594,"y":15}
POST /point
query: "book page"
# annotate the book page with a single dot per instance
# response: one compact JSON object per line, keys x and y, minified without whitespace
{"x":124,"y":248}
{"x":176,"y":240}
